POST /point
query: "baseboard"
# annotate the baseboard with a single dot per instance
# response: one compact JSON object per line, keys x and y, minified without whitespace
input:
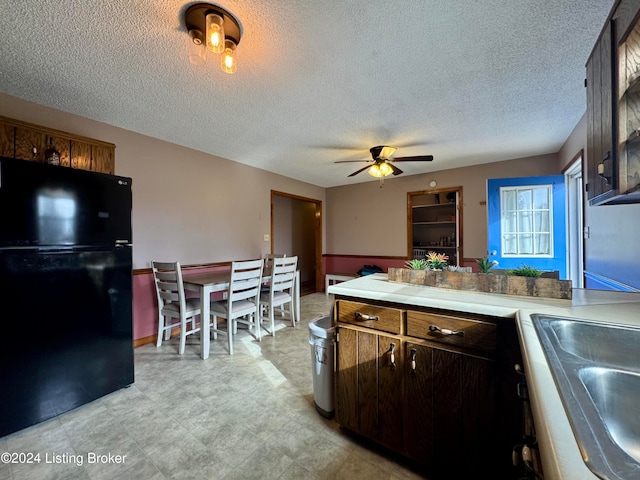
{"x":138,"y":342}
{"x":606,"y":283}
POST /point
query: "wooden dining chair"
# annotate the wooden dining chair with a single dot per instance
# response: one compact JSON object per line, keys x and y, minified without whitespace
{"x":173,"y":304}
{"x":243,"y":300}
{"x":280,"y":292}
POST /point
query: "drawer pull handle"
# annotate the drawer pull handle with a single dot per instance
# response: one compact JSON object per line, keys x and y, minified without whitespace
{"x":364,"y":316}
{"x":445,"y":331}
{"x":392,"y":356}
{"x":413,"y":360}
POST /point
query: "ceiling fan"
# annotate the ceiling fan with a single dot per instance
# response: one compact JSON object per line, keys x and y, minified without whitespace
{"x":382,"y":165}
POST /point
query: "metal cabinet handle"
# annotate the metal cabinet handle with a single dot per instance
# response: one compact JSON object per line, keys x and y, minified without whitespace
{"x":413,"y":360}
{"x":445,"y":331}
{"x":364,"y":316}
{"x":601,"y":173}
{"x":392,"y":356}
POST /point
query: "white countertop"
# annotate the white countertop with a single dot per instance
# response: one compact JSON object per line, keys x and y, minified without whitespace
{"x":561,"y":457}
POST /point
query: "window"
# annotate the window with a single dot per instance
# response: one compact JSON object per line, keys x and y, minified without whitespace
{"x":526,"y":226}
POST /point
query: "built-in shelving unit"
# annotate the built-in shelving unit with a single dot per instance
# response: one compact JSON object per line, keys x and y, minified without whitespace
{"x":434,"y":223}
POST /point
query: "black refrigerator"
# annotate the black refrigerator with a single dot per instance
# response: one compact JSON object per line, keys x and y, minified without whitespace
{"x":65,"y":290}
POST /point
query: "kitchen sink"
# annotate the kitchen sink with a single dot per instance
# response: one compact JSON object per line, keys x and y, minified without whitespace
{"x":596,"y":368}
{"x":611,"y":345}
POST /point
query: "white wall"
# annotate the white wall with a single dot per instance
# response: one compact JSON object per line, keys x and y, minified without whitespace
{"x":187,"y":205}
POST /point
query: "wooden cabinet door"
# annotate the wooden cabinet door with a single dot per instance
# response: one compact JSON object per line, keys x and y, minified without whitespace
{"x":369,"y":386}
{"x":367,"y":351}
{"x":7,"y":135}
{"x":103,"y":159}
{"x":346,"y":378}
{"x":450,"y":410}
{"x":80,"y":155}
{"x":63,"y":145}
{"x":26,"y":140}
{"x":607,"y":140}
{"x":418,"y":394}
{"x":390,"y":391}
{"x":601,"y":151}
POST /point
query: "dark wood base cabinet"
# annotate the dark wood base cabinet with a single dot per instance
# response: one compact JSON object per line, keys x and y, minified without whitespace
{"x":437,"y":387}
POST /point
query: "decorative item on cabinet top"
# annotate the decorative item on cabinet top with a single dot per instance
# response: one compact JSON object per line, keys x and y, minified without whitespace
{"x":27,"y":141}
{"x":485,"y":282}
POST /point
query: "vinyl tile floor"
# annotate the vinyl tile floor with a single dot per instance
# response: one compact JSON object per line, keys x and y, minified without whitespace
{"x":249,"y":415}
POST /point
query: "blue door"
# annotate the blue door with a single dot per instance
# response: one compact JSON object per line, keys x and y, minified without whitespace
{"x":527,"y":222}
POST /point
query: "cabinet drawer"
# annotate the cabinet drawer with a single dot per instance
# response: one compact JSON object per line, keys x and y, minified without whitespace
{"x":370,"y":316}
{"x":457,"y":331}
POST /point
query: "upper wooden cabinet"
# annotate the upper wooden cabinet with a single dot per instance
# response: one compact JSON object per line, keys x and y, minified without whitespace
{"x":28,"y":142}
{"x":601,"y":151}
{"x":613,"y":103}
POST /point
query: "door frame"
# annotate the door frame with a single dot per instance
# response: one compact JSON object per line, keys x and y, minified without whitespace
{"x":575,"y":230}
{"x":318,"y":232}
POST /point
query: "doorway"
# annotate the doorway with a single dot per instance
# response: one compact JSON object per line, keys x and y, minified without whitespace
{"x":296,"y":229}
{"x":527,"y":222}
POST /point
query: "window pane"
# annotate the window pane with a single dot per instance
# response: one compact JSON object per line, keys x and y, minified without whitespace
{"x":541,"y":221}
{"x":509,"y":245}
{"x":508,"y":199}
{"x":524,"y":199}
{"x":525,"y":223}
{"x":541,"y":198}
{"x":542,"y":246}
{"x":509,"y":222}
{"x":525,"y":244}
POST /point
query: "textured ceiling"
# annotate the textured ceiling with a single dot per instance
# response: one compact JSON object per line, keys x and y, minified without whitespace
{"x":468,"y":81}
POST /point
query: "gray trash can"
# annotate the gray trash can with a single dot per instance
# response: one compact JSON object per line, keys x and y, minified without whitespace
{"x":322,"y":339}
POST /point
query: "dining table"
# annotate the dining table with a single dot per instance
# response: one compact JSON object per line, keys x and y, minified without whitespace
{"x":206,"y":283}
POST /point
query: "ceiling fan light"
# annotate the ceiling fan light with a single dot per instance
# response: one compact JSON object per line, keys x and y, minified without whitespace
{"x":385,"y":169}
{"x":379,"y":170}
{"x":374,"y":171}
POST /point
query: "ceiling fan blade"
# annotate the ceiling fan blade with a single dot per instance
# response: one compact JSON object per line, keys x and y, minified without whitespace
{"x":418,"y":158}
{"x":358,"y":171}
{"x":396,"y":170}
{"x":352,"y":161}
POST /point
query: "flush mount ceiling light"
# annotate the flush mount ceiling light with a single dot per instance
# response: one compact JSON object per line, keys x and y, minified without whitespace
{"x":213,"y":28}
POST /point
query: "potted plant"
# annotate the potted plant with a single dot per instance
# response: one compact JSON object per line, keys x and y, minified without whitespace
{"x":525,"y":271}
{"x":417,"y":264}
{"x":436,"y":261}
{"x":485,"y":264}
